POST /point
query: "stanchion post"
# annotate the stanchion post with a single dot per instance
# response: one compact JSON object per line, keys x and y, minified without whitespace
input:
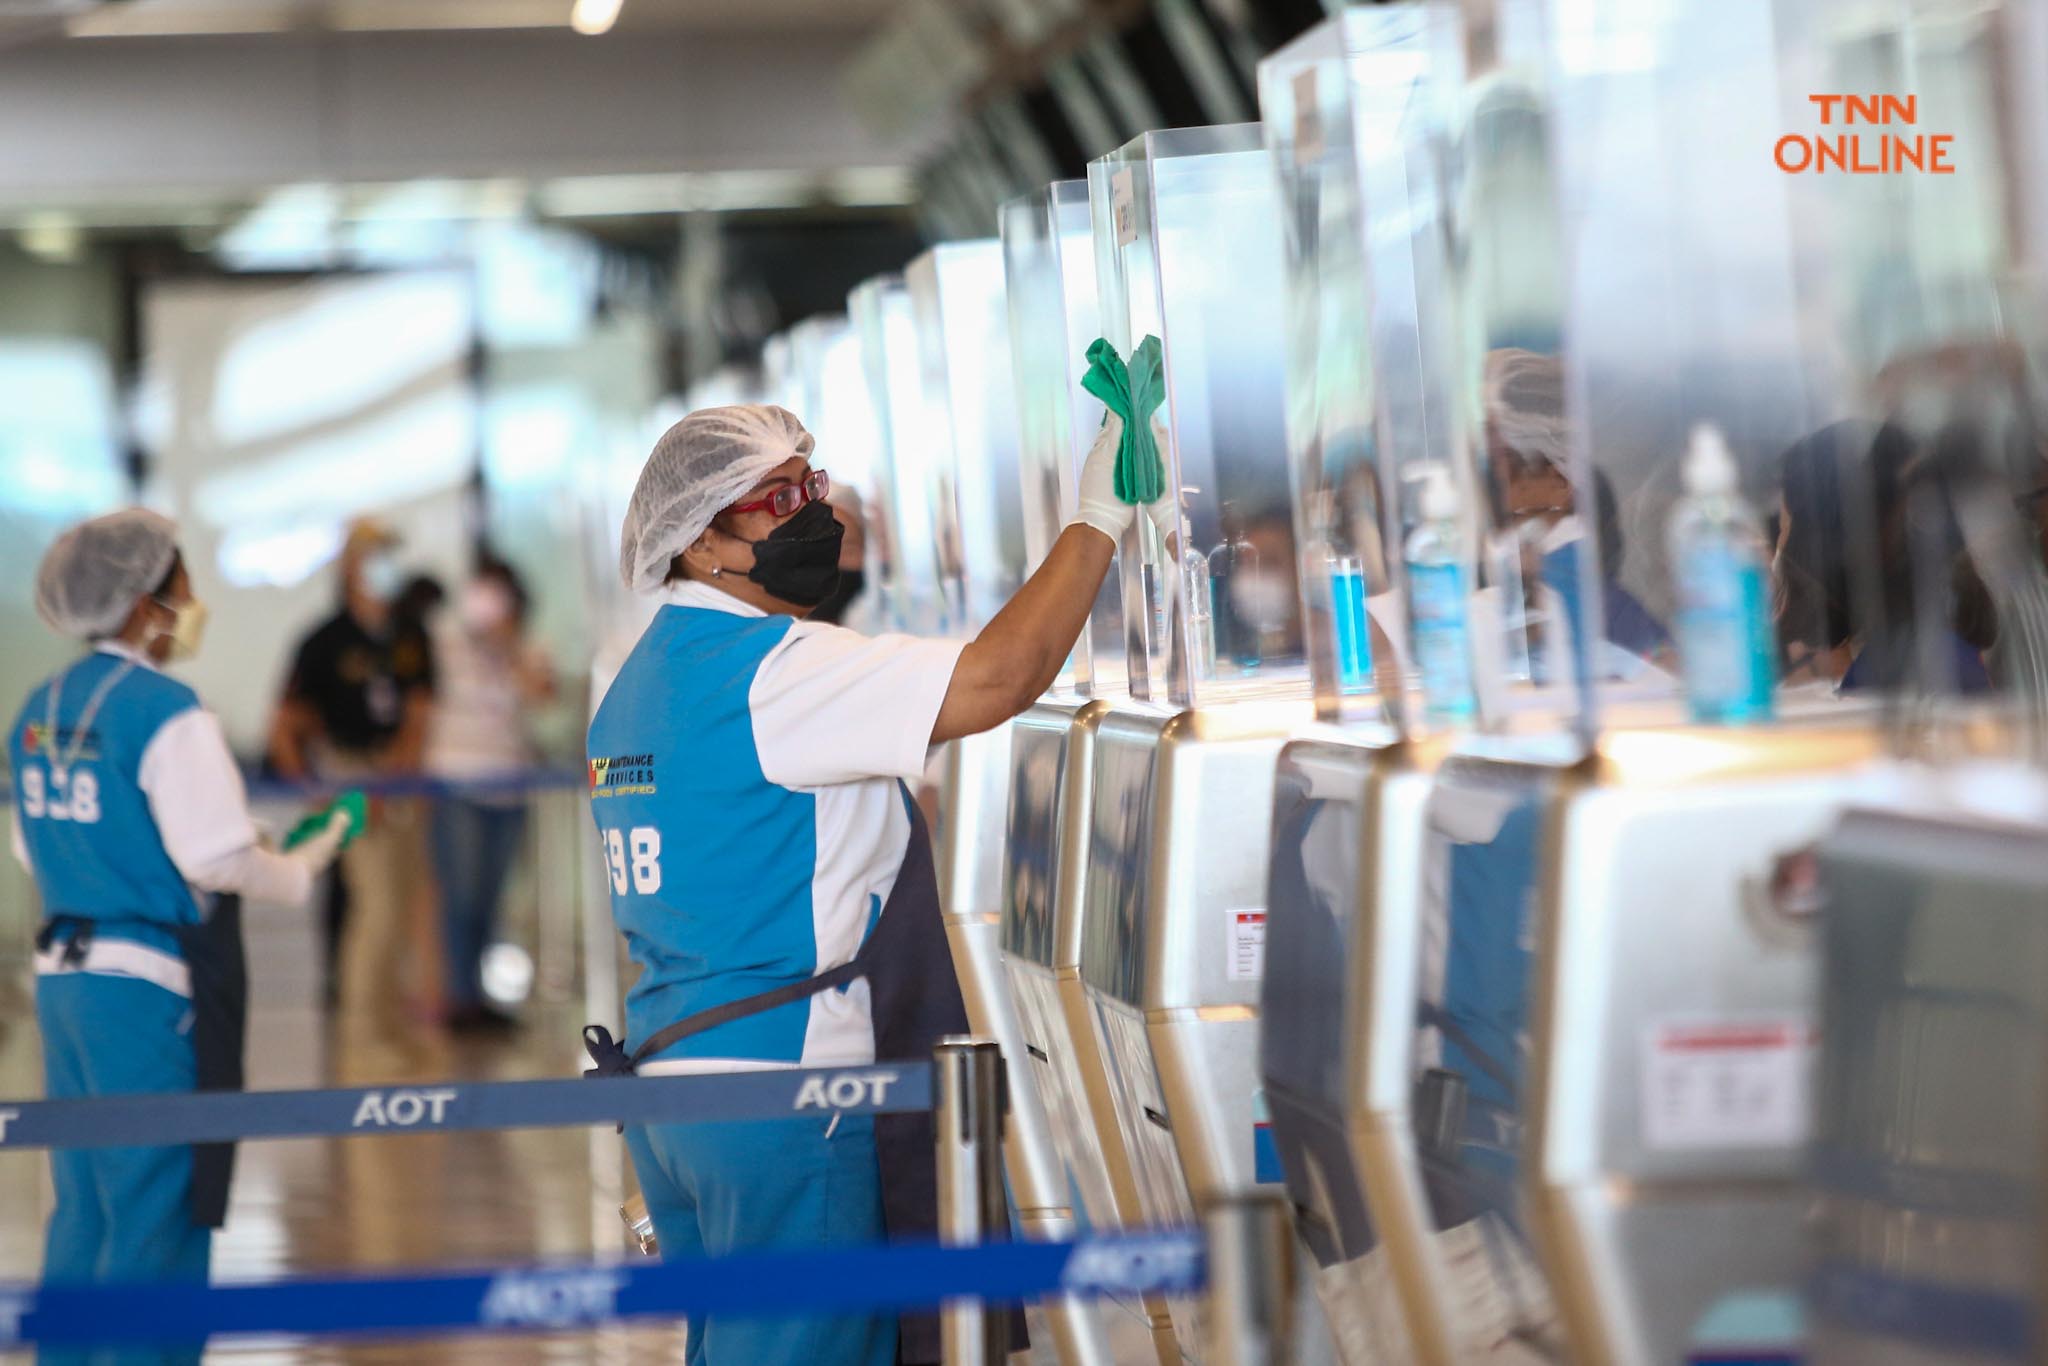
{"x":967,"y":1116}
{"x":1251,"y":1281}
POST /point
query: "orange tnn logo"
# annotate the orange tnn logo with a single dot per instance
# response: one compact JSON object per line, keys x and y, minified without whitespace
{"x":1854,"y":152}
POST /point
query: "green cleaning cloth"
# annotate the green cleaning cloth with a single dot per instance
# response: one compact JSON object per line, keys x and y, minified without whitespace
{"x":1133,"y":393}
{"x":353,"y":803}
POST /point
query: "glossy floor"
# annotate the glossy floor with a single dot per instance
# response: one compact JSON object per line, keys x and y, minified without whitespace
{"x":325,"y":1204}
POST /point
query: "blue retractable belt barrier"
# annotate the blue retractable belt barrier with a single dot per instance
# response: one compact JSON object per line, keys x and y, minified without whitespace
{"x":835,"y":1280}
{"x":512,"y":783}
{"x":221,"y":1116}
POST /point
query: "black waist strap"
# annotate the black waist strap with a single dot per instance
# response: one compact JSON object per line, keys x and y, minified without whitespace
{"x":613,"y":1061}
{"x":75,"y":947}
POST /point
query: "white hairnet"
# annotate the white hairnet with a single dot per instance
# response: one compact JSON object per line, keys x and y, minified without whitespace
{"x":1524,"y":393}
{"x":91,"y":575}
{"x":700,"y":466}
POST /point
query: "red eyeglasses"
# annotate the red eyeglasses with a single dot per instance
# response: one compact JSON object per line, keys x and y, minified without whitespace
{"x":787,"y":500}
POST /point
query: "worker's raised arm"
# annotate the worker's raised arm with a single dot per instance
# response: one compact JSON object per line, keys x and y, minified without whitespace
{"x":1019,"y":653}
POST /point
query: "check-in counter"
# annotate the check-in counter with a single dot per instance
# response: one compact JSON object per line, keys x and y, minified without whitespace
{"x":1609,"y":891}
{"x":959,"y":306}
{"x":1173,"y":922}
{"x":1049,"y":273}
{"x":1929,"y":1145}
{"x":1932,"y":1075}
{"x":1345,"y":122}
{"x":1673,"y":1018}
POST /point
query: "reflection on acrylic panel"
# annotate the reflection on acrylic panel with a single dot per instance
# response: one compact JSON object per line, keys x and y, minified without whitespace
{"x":1343,"y":113}
{"x":1188,"y":249}
{"x":963,"y":351}
{"x":1512,"y":491}
{"x":1471,"y":1056}
{"x":1923,"y":306}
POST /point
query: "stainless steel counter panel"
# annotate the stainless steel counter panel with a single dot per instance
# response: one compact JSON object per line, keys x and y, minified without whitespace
{"x":1660,"y":939}
{"x":1314,"y":893}
{"x":971,"y":858}
{"x":1347,"y":837}
{"x":1929,"y":1119}
{"x":1051,"y":746}
{"x":1181,"y":805}
{"x":1458,"y":1132}
{"x":1119,"y":851}
{"x":1051,"y":767}
{"x":970,"y":854}
{"x":1379,"y":1021}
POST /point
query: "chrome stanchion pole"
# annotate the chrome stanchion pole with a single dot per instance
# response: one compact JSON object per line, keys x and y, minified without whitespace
{"x":968,"y":1119}
{"x":1251,"y":1281}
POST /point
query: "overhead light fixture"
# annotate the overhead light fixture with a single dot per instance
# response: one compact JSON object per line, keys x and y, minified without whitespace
{"x":53,"y":237}
{"x":592,"y":17}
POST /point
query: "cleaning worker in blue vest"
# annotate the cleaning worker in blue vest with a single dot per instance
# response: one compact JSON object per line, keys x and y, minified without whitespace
{"x":770,"y":872}
{"x":130,"y":813}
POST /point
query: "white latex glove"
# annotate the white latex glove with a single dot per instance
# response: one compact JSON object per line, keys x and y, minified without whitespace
{"x":315,"y":853}
{"x":1165,"y":509}
{"x":1099,"y":506}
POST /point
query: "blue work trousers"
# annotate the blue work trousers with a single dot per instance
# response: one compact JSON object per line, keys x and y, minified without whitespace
{"x":474,"y":846}
{"x":718,"y":1189}
{"x":123,"y":1214}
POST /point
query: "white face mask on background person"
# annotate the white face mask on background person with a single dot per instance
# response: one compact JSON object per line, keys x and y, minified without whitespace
{"x":1261,"y":598}
{"x":486,"y":606}
{"x":382,"y":577}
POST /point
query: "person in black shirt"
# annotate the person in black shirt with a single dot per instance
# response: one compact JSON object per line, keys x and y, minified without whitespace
{"x":355,"y":705}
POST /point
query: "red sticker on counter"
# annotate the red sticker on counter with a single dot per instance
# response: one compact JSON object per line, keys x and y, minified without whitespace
{"x":1247,"y":956}
{"x":1736,"y":1083}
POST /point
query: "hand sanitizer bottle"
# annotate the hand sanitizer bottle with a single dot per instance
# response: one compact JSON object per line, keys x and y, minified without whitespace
{"x":1436,"y":602}
{"x":1725,"y":641}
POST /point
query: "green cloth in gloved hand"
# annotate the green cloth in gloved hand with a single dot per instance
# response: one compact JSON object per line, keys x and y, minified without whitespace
{"x":352,"y":804}
{"x":1133,"y":393}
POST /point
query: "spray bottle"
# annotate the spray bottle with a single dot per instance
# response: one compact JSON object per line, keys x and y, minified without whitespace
{"x":1725,"y":641}
{"x":1437,"y":601}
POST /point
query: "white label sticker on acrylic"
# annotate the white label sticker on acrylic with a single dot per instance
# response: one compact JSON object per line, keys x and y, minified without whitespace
{"x":1123,"y":199}
{"x":1726,"y":1083}
{"x":1247,"y":960}
{"x":1308,"y":118}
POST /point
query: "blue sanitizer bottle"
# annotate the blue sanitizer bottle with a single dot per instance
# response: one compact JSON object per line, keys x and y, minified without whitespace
{"x":1437,"y":603}
{"x":1351,"y":624}
{"x":1725,"y":642}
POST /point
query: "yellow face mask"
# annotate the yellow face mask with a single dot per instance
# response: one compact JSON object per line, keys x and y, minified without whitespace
{"x":187,"y":628}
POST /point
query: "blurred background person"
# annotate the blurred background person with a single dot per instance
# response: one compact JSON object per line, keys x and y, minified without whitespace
{"x":488,"y":678}
{"x":414,"y":613}
{"x":356,"y":706}
{"x":1528,"y":444}
{"x":1868,"y":529}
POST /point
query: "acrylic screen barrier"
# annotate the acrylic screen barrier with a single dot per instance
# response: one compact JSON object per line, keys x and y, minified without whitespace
{"x":901,"y":529}
{"x":1345,"y":116}
{"x":1049,"y":276}
{"x":1186,"y":227}
{"x":963,"y":349}
{"x":1916,"y":527}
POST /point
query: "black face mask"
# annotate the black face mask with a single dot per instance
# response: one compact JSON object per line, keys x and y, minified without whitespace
{"x":833,"y":609}
{"x":798,"y":562}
